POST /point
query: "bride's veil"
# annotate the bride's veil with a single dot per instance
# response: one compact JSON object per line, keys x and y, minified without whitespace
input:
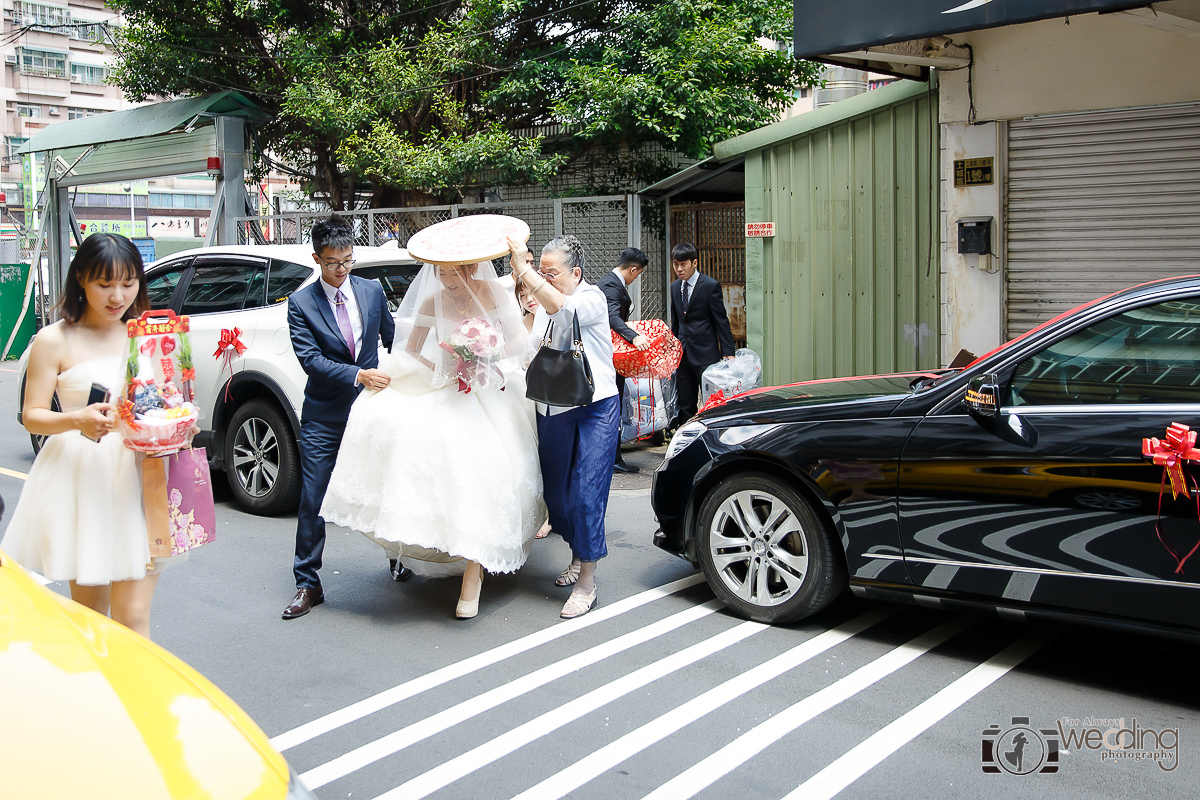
{"x":439,"y":300}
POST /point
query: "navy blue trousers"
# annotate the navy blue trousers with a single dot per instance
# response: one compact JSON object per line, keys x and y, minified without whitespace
{"x":577,"y":449}
{"x":319,"y":443}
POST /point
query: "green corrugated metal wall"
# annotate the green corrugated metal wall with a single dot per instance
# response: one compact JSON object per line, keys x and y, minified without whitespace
{"x":849,"y":284}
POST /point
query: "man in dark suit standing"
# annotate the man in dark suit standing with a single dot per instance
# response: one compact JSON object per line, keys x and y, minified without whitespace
{"x":615,"y":287}
{"x":336,"y":324}
{"x":699,"y":320}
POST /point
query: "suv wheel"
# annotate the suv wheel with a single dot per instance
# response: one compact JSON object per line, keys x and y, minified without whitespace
{"x":765,"y":552}
{"x":262,"y":462}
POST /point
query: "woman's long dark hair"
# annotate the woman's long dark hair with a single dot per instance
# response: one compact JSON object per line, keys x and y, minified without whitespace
{"x":107,"y":257}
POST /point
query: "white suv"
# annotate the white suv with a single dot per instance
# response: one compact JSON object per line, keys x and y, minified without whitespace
{"x":250,"y":419}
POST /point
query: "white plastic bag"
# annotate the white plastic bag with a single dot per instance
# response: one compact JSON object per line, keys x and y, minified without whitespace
{"x":741,"y":374}
{"x":648,"y":406}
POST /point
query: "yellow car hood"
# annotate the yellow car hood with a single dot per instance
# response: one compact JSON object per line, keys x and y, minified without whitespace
{"x":91,"y":709}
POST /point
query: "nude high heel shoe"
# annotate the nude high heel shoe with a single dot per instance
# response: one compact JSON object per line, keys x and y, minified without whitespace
{"x":468,"y":609}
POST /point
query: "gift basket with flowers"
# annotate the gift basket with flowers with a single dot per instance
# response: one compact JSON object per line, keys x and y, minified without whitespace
{"x":156,"y":409}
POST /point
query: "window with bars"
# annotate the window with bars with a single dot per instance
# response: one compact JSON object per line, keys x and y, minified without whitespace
{"x":87,"y":73}
{"x":46,"y":63}
{"x":95,"y":32}
{"x":38,"y":15}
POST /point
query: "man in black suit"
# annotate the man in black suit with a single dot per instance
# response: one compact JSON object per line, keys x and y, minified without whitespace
{"x":336,"y":325}
{"x":615,"y":287}
{"x":699,"y":320}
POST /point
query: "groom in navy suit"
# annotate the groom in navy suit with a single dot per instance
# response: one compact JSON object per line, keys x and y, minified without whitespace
{"x":336,"y":325}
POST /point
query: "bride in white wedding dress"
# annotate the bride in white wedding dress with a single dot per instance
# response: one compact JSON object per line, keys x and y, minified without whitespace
{"x":441,"y":467}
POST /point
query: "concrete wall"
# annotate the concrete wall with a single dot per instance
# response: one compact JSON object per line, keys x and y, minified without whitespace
{"x":972,"y":286}
{"x":1095,"y":62}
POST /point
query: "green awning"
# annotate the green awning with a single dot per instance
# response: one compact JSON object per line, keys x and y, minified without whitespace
{"x":144,"y":121}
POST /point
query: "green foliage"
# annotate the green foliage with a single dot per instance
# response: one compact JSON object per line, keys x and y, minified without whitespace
{"x":434,"y":100}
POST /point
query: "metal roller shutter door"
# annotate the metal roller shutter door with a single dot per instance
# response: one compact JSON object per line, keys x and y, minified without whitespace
{"x":1097,"y":202}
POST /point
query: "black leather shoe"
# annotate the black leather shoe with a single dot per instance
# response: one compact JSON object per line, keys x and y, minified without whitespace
{"x":400,"y":573}
{"x":622,"y":467}
{"x":303,"y":602}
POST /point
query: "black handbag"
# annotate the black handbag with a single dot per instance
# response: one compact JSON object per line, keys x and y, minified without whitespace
{"x":560,"y":377}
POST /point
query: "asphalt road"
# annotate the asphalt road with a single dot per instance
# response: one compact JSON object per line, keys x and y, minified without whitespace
{"x":658,"y":692}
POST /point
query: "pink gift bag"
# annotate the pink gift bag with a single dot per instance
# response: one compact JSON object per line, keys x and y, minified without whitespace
{"x":178,"y":499}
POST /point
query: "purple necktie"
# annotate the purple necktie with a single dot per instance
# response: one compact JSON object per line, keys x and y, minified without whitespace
{"x":343,"y":318}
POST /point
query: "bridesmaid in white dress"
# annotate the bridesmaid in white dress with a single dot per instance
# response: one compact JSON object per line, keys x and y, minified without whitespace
{"x":80,"y":516}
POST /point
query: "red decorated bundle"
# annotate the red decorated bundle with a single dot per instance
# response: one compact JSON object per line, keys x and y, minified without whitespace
{"x":156,"y":410}
{"x":659,"y":360}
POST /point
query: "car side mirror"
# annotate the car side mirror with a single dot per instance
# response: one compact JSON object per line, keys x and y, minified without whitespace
{"x":983,"y":396}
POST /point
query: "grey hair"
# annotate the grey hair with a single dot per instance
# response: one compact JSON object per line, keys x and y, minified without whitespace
{"x":571,"y":248}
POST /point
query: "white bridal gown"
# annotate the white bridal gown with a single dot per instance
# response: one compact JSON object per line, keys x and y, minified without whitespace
{"x":438,"y":475}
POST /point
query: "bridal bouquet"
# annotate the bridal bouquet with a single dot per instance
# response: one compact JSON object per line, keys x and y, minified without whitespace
{"x":476,"y":347}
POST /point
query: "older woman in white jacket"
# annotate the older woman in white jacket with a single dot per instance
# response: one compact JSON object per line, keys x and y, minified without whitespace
{"x":577,"y":445}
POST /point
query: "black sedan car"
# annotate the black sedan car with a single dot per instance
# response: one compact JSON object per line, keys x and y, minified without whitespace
{"x":1016,"y":483}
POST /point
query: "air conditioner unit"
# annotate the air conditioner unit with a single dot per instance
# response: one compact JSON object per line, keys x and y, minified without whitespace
{"x":54,"y":112}
{"x":76,"y":78}
{"x":10,"y":58}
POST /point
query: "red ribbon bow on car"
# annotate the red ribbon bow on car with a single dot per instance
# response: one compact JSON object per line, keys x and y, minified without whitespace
{"x":228,"y":347}
{"x":714,"y":400}
{"x":1171,"y":454}
{"x":229,"y":338}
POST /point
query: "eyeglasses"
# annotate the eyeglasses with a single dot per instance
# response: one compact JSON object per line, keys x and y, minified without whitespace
{"x":348,"y":264}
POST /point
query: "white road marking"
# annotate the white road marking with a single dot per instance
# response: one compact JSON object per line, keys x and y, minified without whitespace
{"x":394,"y":742}
{"x":12,"y":473}
{"x":497,"y":748}
{"x":711,"y":769}
{"x":857,"y":762}
{"x":448,"y":772}
{"x":389,"y":697}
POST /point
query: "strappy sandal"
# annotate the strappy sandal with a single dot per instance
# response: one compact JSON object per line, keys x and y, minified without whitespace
{"x":569,"y":575}
{"x":578,"y":604}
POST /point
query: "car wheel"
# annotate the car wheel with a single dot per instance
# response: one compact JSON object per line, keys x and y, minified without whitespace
{"x":262,"y":462}
{"x":765,"y":552}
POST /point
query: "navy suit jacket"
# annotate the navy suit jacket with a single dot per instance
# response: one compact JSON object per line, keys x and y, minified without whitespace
{"x":704,"y":327}
{"x":323,"y":353}
{"x":619,"y":302}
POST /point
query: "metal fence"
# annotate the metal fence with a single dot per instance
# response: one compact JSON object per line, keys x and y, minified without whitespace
{"x":605,"y":224}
